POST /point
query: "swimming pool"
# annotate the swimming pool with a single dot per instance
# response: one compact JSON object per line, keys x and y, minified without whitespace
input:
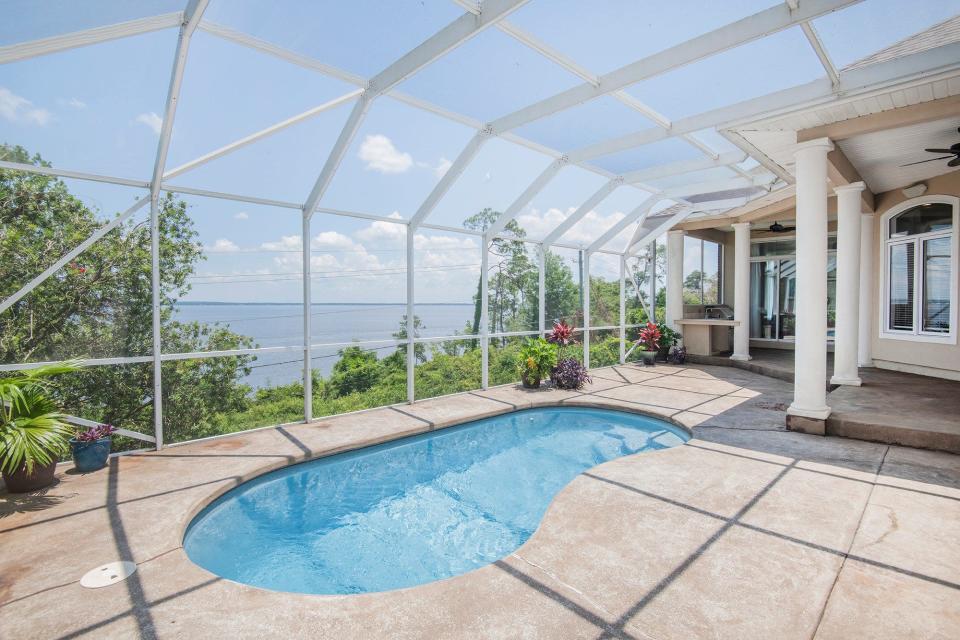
{"x":413,"y":510}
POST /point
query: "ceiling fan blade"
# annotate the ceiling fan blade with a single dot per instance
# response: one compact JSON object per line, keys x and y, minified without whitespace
{"x":955,"y":162}
{"x":922,"y":161}
{"x":939,"y":150}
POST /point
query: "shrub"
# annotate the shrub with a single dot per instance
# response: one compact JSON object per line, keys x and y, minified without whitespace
{"x":569,"y":374}
{"x":536,"y":358}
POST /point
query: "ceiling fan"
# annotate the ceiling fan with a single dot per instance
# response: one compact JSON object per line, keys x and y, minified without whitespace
{"x":776,"y":227}
{"x":954,"y":152}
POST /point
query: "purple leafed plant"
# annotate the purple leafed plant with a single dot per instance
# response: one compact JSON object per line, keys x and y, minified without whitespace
{"x":95,"y":433}
{"x":569,"y":374}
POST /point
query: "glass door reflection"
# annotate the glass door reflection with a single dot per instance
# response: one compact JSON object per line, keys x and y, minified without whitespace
{"x":788,"y":299}
{"x":763,"y":300}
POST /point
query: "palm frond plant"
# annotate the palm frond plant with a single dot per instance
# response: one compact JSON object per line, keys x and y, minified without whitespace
{"x":33,"y":431}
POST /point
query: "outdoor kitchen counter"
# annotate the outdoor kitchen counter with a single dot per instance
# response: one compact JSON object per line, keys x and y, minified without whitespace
{"x":706,"y":336}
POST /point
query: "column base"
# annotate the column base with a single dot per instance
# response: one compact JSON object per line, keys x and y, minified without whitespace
{"x":803,"y":424}
{"x":817,"y":413}
{"x":851,"y":382}
{"x":741,"y":356}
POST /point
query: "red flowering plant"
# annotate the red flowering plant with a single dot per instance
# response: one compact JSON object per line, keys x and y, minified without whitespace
{"x":562,"y":336}
{"x":649,"y":338}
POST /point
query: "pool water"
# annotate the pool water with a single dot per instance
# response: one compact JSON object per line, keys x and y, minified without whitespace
{"x":414,"y":510}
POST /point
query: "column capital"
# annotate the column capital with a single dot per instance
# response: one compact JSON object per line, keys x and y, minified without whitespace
{"x":742,"y":225}
{"x":677,"y":231}
{"x":818,"y":143}
{"x":855,"y":187}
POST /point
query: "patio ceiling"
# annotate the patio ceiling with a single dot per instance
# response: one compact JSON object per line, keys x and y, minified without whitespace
{"x":715,"y":51}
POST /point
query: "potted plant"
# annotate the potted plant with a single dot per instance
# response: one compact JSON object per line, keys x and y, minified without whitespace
{"x":537,"y":359}
{"x":33,"y":432}
{"x":668,"y":338}
{"x":649,"y":344}
{"x":568,"y":373}
{"x":91,"y":448}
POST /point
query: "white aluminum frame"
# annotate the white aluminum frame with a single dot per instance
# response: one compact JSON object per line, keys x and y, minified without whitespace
{"x":491,"y":13}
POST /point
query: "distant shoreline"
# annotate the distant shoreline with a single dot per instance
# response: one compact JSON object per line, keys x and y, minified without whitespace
{"x":323,"y":304}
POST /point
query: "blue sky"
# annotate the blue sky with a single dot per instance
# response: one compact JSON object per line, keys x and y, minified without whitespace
{"x":97,"y":109}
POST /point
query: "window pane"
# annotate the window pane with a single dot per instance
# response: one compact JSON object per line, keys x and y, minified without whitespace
{"x":901,"y":287}
{"x":936,"y":285}
{"x":774,"y":248}
{"x":831,"y":295}
{"x":711,"y":272}
{"x":936,"y":216}
{"x":763,"y":299}
{"x":788,"y":299}
{"x":692,"y":272}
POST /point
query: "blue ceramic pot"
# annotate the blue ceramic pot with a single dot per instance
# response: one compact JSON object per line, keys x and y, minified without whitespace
{"x":90,"y":456}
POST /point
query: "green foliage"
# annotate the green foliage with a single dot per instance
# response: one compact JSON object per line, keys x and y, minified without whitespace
{"x":32,"y":429}
{"x":356,"y":371}
{"x":536,"y":358}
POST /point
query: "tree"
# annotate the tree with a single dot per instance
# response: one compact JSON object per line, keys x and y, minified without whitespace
{"x":100,"y":305}
{"x":356,"y":371}
{"x":419,"y":349}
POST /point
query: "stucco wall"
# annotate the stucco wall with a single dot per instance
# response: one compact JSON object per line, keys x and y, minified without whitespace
{"x":941,"y":360}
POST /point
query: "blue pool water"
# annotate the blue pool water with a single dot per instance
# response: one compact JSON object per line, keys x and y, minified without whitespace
{"x":414,"y":510}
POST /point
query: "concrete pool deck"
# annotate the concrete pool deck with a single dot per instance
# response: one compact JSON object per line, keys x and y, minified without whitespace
{"x":747,"y":531}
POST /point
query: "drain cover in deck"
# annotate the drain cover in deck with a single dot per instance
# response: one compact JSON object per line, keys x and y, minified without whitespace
{"x":108,"y":574}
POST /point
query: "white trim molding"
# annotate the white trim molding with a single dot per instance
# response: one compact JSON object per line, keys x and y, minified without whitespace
{"x":917,"y":334}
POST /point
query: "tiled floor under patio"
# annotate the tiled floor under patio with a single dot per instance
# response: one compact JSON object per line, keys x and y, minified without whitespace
{"x":747,"y":531}
{"x":890,"y":407}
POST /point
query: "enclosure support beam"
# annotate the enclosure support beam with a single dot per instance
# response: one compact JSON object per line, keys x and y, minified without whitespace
{"x":484,"y":321}
{"x":524,"y":198}
{"x":191,"y":18}
{"x":586,"y":308}
{"x":458,"y":166}
{"x":599,"y":196}
{"x":623,"y":308}
{"x":638,"y":215}
{"x":652,"y":304}
{"x":542,"y":288}
{"x":411,"y":325}
{"x":752,"y":27}
{"x":350,"y":128}
{"x":307,"y":270}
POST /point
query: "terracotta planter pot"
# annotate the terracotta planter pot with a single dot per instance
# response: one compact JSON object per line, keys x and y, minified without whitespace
{"x":20,"y":482}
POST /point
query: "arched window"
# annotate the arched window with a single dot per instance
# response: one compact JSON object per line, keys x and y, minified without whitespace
{"x":920,"y":269}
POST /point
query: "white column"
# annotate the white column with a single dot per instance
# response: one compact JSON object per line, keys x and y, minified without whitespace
{"x":741,"y":291}
{"x":865,"y":333}
{"x":846,"y":339}
{"x":652,"y":312}
{"x":810,"y":355}
{"x":674,"y":278}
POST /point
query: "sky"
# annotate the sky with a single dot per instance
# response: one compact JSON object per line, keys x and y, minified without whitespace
{"x":98,"y":109}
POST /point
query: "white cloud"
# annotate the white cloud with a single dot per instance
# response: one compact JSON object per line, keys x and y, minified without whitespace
{"x":285,"y":243}
{"x":588,"y":229}
{"x":222,"y":245}
{"x":488,"y":177}
{"x":380,"y":155}
{"x":241,"y":215}
{"x":381,"y":233}
{"x":18,"y":109}
{"x":442,"y":167}
{"x":151,"y":121}
{"x":76,"y":103}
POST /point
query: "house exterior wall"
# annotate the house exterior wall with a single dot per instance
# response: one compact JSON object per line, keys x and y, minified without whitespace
{"x":925,"y":358}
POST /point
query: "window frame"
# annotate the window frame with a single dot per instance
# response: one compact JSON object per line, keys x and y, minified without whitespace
{"x":917,"y":334}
